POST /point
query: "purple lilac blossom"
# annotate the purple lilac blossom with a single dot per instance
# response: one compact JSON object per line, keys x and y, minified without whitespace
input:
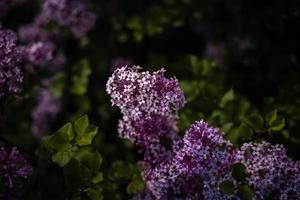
{"x":41,"y":49}
{"x":13,"y":166}
{"x":198,"y":162}
{"x":149,"y":103}
{"x":35,"y":33}
{"x":140,"y":94}
{"x":39,"y":53}
{"x":72,"y":14}
{"x":194,"y":166}
{"x":44,"y":46}
{"x":44,"y":112}
{"x":271,"y":170}
{"x":10,"y":57}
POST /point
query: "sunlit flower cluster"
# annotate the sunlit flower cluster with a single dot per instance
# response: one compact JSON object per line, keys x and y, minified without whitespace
{"x":149,"y":103}
{"x":194,"y":166}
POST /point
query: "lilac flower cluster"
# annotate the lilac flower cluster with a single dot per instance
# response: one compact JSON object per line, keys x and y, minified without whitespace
{"x":148,"y":103}
{"x":198,"y":161}
{"x":194,"y":166}
{"x":71,"y":14}
{"x":39,"y":53}
{"x":41,"y":47}
{"x":44,"y":46}
{"x":271,"y":170}
{"x":13,"y":166}
{"x":44,"y":112}
{"x":141,"y":94}
{"x":10,"y":58}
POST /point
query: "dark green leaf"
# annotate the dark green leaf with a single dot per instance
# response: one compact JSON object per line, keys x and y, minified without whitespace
{"x":135,"y":185}
{"x":122,"y":169}
{"x":246,"y":192}
{"x":239,"y":172}
{"x":80,"y":77}
{"x":245,"y":131}
{"x":92,"y":161}
{"x":94,"y":194}
{"x":76,"y":174}
{"x":271,"y":117}
{"x":278,"y":124}
{"x":255,"y":121}
{"x":227,"y":187}
{"x":228,"y":96}
{"x":98,"y":178}
{"x":58,"y":84}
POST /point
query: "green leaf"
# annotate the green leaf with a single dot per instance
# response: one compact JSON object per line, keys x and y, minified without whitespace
{"x":135,"y":185}
{"x":57,"y":84}
{"x":227,"y":187}
{"x":138,"y":35}
{"x":81,"y":124}
{"x":74,"y":173}
{"x":62,"y":157}
{"x":94,"y":194}
{"x":245,"y":131}
{"x":121,"y":169}
{"x":80,"y":77}
{"x":255,"y":121}
{"x":66,"y":132}
{"x":278,"y":124}
{"x":228,"y":96}
{"x":271,"y":117}
{"x":246,"y":192}
{"x":98,"y":178}
{"x":195,"y":65}
{"x":60,"y":140}
{"x":239,"y":172}
{"x":87,"y":137}
{"x":92,"y":161}
{"x":134,"y":24}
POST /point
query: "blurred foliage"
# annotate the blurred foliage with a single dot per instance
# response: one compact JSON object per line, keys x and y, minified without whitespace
{"x":252,"y":94}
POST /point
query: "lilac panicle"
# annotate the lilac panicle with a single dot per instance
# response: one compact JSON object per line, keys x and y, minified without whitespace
{"x":44,"y":112}
{"x":271,"y":170}
{"x":10,"y":57}
{"x":13,"y":166}
{"x":149,"y":103}
{"x":193,"y":172}
{"x":72,"y":14}
{"x":39,"y":53}
{"x":141,"y":94}
{"x":194,"y":166}
{"x":44,"y":47}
